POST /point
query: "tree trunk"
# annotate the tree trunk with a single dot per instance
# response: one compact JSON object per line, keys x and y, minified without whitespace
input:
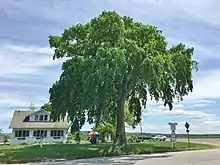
{"x":120,"y":128}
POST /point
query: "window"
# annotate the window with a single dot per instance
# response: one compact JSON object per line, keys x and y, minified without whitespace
{"x":36,"y":117}
{"x":25,"y":133}
{"x":45,"y":117}
{"x":61,"y":133}
{"x":51,"y":133}
{"x":36,"y":133}
{"x":27,"y":119}
{"x":45,"y":133}
{"x":41,"y":118}
{"x":40,"y":133}
{"x":21,"y":133}
{"x":56,"y":133}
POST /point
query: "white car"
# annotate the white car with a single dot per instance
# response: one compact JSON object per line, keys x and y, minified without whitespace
{"x":159,"y":138}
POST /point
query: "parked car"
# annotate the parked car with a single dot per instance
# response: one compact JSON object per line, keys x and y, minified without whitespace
{"x":145,"y":137}
{"x":159,"y":138}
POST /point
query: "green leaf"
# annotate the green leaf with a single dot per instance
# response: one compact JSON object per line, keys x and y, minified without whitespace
{"x":114,"y":58}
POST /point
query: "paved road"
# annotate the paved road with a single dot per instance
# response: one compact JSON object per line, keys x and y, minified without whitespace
{"x":207,"y":157}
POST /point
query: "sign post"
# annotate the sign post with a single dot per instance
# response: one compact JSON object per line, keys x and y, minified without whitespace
{"x":187,"y":131}
{"x":173,"y":134}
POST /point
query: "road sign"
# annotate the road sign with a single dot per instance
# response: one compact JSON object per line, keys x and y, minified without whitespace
{"x":187,"y":125}
{"x":173,"y":140}
{"x":187,"y":131}
{"x":173,"y":126}
{"x":173,"y":134}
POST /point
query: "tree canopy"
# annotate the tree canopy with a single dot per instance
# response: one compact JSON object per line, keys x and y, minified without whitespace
{"x":47,"y":107}
{"x":112,"y":60}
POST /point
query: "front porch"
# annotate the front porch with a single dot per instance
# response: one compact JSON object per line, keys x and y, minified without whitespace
{"x":31,"y":136}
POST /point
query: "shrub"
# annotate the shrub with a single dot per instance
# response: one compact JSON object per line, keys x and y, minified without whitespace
{"x":24,"y":143}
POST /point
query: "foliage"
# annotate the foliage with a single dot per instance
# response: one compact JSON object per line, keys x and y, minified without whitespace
{"x":129,"y":117}
{"x":24,"y":143}
{"x":7,"y":135}
{"x":106,"y":130}
{"x":111,"y":60}
{"x":47,"y":107}
{"x":134,"y":139}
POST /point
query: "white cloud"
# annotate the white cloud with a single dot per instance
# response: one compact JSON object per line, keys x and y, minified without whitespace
{"x":21,"y":10}
{"x":195,"y":8}
{"x":19,"y":59}
{"x":10,"y":100}
{"x":213,"y":123}
{"x":8,"y":84}
{"x":19,"y":99}
{"x":206,"y":85}
{"x":187,"y":9}
{"x":180,"y":113}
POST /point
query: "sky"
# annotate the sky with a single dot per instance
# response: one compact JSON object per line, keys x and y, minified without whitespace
{"x":27,"y":70}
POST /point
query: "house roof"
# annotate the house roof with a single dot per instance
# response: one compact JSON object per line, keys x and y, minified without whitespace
{"x":19,"y":117}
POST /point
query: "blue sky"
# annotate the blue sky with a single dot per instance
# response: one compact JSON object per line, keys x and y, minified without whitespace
{"x":27,"y":69}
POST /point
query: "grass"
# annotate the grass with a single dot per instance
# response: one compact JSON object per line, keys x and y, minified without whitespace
{"x":23,"y":154}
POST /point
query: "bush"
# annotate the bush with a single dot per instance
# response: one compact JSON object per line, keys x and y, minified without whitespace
{"x":134,"y":139}
{"x":24,"y":143}
{"x":5,"y":140}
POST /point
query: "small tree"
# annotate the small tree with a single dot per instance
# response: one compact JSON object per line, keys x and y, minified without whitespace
{"x":106,"y":130}
{"x":32,"y":107}
{"x":47,"y":107}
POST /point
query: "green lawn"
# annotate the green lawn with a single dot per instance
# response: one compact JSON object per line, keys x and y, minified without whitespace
{"x":21,"y":154}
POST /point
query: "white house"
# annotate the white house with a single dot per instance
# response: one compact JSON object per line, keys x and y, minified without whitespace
{"x":36,"y":127}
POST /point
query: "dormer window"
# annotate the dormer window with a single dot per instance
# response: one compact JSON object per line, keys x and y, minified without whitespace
{"x":36,"y":117}
{"x":41,"y":118}
{"x":45,"y":117}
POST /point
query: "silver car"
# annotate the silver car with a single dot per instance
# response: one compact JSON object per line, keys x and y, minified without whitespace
{"x":160,"y":138}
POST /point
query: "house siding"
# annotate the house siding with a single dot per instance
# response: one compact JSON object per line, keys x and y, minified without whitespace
{"x":31,"y":139}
